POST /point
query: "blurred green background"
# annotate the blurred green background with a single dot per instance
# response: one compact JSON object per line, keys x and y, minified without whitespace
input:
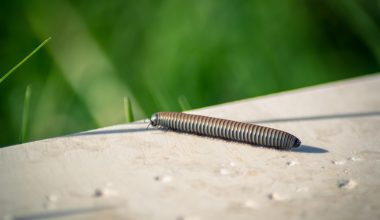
{"x":158,"y":52}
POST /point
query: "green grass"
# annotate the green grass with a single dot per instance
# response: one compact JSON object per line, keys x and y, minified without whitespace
{"x":171,"y":56}
{"x":28,"y":91}
{"x":184,"y":103}
{"x":25,"y":114}
{"x":24,"y":60}
{"x":128,"y":113}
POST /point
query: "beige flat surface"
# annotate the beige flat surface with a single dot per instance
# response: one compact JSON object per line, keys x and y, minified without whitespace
{"x":128,"y":172}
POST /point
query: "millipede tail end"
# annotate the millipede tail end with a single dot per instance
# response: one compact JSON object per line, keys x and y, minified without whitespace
{"x":297,"y":143}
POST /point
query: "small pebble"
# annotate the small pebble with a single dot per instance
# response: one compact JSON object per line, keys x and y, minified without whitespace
{"x":347,"y":184}
{"x":105,"y":192}
{"x":355,"y":158}
{"x":276,"y":197}
{"x":52,"y":198}
{"x":338,"y":162}
{"x":224,"y":172}
{"x":164,"y":178}
{"x":292,"y":163}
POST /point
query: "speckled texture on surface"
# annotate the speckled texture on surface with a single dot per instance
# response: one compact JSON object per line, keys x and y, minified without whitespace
{"x":128,"y":172}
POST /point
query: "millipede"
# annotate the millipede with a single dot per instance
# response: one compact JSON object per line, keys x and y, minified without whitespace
{"x":225,"y":129}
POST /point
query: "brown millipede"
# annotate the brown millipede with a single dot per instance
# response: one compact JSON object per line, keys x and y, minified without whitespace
{"x":225,"y":129}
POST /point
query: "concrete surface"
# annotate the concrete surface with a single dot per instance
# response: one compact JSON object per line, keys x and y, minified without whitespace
{"x":128,"y":172}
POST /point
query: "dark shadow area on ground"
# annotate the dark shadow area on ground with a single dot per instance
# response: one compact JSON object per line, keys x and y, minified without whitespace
{"x":318,"y":117}
{"x":301,"y":149}
{"x":309,"y":149}
{"x":113,"y":131}
{"x":62,"y":213}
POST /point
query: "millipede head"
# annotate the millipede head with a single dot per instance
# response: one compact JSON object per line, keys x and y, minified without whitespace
{"x":154,"y":119}
{"x":296,"y":143}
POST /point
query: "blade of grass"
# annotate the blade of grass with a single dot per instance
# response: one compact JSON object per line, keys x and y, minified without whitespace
{"x":25,"y":113}
{"x":183,"y":103}
{"x":128,"y":110}
{"x":23,"y":61}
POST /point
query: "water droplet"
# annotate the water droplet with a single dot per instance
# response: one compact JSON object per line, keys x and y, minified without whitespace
{"x":164,"y":178}
{"x":338,"y":162}
{"x":292,"y":163}
{"x":347,"y":184}
{"x":276,"y":197}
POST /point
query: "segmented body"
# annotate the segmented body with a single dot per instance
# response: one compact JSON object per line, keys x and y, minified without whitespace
{"x":226,"y":129}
